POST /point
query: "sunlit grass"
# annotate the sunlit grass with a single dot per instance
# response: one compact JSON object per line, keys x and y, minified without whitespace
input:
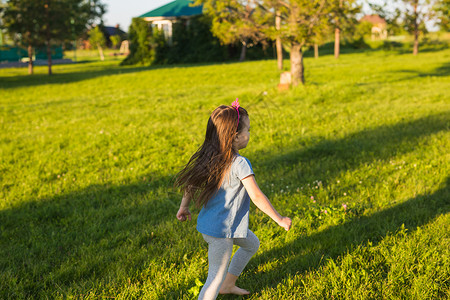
{"x":358,"y":158}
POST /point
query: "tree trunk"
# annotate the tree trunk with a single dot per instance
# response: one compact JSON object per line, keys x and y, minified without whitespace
{"x":337,"y":32}
{"x":337,"y":36}
{"x":243,"y":51}
{"x":316,"y":50}
{"x":100,"y":51}
{"x":49,"y":57}
{"x":49,"y":50}
{"x":278,"y":42}
{"x":279,"y":53}
{"x":416,"y":31}
{"x":297,"y":69}
{"x":30,"y":59}
{"x":75,"y":51}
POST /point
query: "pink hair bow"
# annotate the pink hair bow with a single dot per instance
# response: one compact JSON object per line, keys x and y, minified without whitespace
{"x":236,"y":105}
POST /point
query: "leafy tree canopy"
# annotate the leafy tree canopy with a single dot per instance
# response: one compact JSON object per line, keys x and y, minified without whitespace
{"x":34,"y":23}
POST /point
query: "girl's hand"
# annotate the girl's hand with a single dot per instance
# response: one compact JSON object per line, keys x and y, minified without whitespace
{"x":285,"y":223}
{"x":183,"y":214}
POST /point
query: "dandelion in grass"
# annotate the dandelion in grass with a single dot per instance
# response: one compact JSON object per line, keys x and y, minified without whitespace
{"x":345,"y":194}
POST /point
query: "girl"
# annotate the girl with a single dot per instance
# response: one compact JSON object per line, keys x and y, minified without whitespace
{"x":222,"y":182}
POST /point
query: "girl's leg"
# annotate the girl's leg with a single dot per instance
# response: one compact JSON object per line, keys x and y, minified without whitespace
{"x":248,"y":247}
{"x":219,"y":253}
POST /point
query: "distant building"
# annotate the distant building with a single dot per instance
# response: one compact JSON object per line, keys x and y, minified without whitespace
{"x":176,"y":11}
{"x":379,"y":26}
{"x":109,"y":31}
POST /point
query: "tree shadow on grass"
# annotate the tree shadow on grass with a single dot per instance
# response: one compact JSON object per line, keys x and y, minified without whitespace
{"x":66,"y":239}
{"x":311,"y":252}
{"x":329,"y":159}
{"x":431,"y":46}
{"x":441,"y":71}
{"x":12,"y":82}
{"x":80,"y":237}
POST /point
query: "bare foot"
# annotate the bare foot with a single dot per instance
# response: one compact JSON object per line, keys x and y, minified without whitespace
{"x":233,"y":290}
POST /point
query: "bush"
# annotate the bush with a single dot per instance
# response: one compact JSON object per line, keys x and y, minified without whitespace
{"x":356,"y":39}
{"x":115,"y":41}
{"x":391,"y":45}
{"x":191,"y":43}
{"x":141,"y":50}
{"x":96,"y":38}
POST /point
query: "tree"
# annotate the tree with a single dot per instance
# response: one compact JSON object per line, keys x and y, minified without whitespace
{"x":293,"y":22}
{"x":236,"y":21}
{"x":22,"y":19}
{"x":141,"y":40}
{"x":115,"y":40}
{"x":193,"y":43}
{"x":342,"y":17}
{"x":442,"y":11}
{"x":36,"y":23}
{"x":97,"y":40}
{"x":300,"y":20}
{"x":392,"y":16}
{"x":415,"y":14}
{"x":278,"y":42}
{"x":320,"y":34}
{"x":2,"y":36}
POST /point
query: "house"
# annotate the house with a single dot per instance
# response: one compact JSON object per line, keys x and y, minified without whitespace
{"x":177,"y":11}
{"x":109,"y":31}
{"x":379,"y":26}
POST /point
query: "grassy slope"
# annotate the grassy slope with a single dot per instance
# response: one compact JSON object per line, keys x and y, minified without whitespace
{"x":87,"y":158}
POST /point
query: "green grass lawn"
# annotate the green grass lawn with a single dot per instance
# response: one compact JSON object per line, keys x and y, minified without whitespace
{"x":359,"y":158}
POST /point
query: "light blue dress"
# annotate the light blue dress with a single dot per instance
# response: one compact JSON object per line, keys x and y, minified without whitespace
{"x":226,"y":214}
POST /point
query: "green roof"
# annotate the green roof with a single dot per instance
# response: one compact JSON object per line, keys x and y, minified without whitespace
{"x":176,"y":8}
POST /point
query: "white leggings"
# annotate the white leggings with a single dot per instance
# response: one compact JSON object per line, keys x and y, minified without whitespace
{"x":219,"y":253}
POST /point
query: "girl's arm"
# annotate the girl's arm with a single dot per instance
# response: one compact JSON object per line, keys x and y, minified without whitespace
{"x":184,"y":213}
{"x":263,"y":203}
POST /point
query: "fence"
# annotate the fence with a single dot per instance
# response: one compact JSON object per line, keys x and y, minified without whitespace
{"x":11,"y":53}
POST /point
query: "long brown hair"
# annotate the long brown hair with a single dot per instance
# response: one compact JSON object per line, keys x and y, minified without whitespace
{"x":203,"y":175}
